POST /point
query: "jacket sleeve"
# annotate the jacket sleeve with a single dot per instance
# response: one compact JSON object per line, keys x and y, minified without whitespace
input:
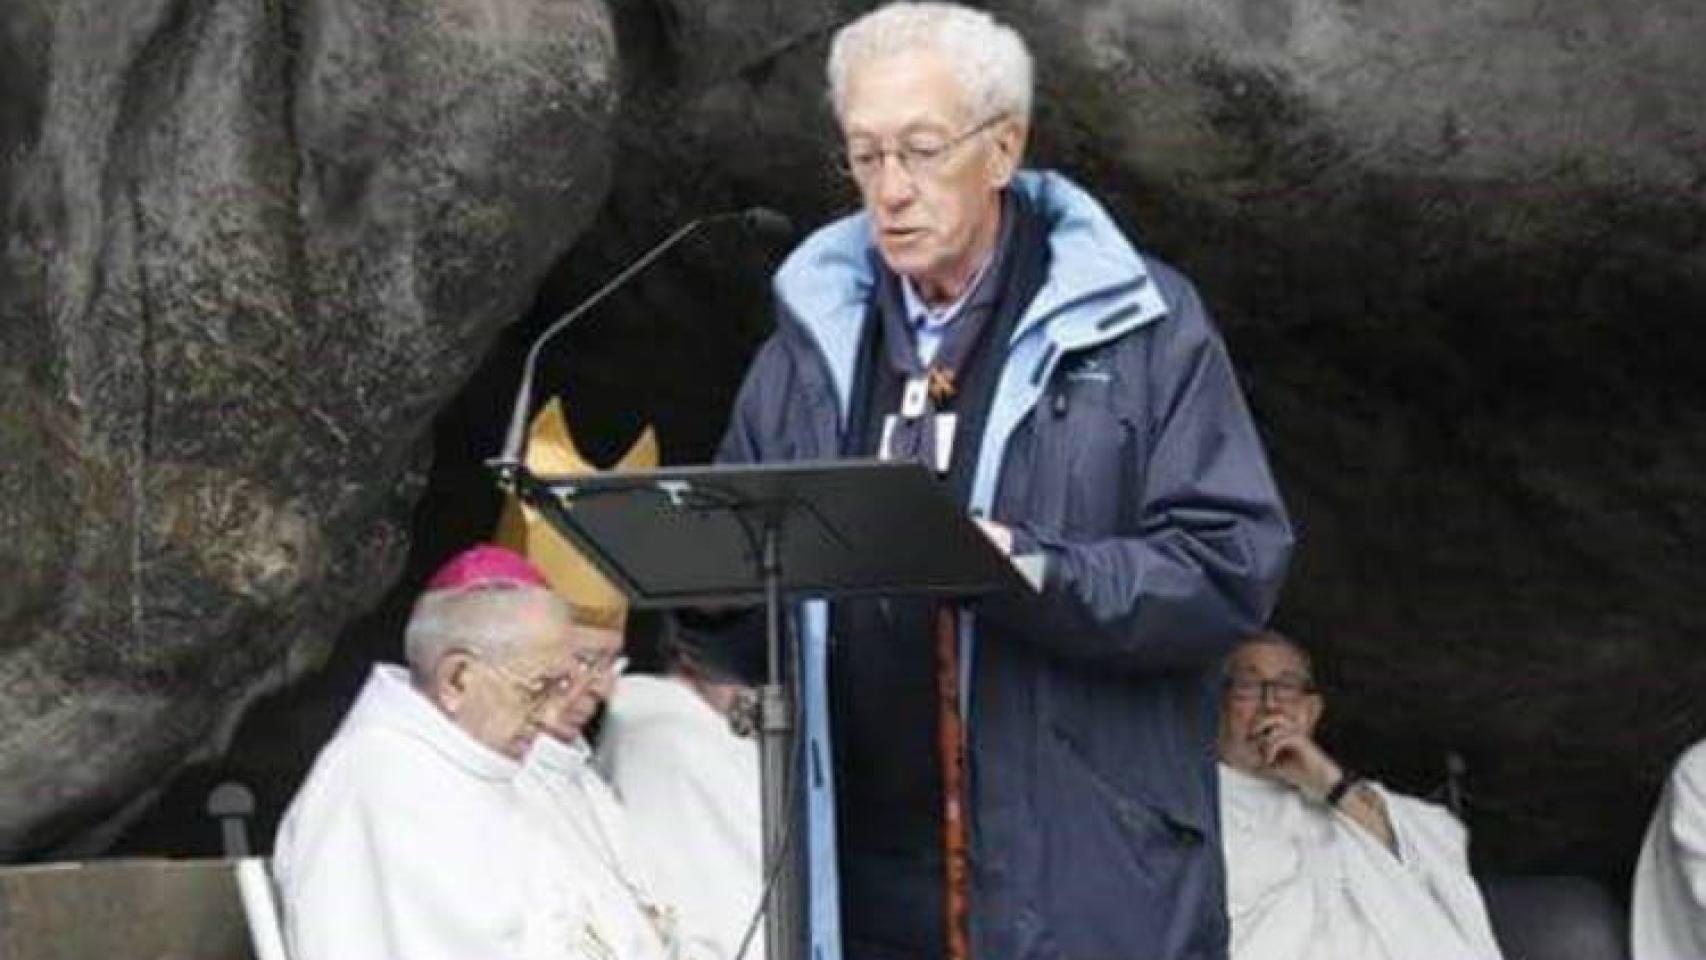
{"x":758,"y":422}
{"x":1202,"y":563}
{"x":755,"y":433}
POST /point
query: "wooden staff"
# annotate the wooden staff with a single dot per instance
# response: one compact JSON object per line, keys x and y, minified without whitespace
{"x":951,"y":741}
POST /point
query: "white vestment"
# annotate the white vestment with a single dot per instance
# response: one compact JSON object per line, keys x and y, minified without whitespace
{"x":408,"y":841}
{"x":1305,"y":882}
{"x":1668,"y":912}
{"x":589,"y":829}
{"x":691,"y":789}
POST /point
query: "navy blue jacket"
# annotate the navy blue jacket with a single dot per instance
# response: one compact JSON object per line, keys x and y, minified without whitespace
{"x":1092,"y":707}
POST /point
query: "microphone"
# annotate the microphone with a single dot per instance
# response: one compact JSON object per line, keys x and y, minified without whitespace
{"x":768,"y":222}
{"x":761,"y":220}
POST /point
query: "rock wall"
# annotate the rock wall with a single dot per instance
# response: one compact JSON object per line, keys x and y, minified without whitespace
{"x":250,"y":249}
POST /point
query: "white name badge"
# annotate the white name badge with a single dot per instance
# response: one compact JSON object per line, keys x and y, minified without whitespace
{"x":945,"y":424}
{"x":912,"y":398}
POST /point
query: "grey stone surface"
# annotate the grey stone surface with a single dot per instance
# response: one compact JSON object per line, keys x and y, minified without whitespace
{"x":250,"y":249}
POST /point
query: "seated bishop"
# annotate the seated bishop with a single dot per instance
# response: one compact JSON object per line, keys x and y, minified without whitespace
{"x":411,"y":839}
{"x":1322,"y":864}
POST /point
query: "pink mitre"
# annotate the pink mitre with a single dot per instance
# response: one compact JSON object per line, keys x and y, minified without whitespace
{"x":486,"y":564}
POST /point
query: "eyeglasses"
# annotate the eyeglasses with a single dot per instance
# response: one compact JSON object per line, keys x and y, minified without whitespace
{"x":919,"y":154}
{"x":1284,"y":691}
{"x":539,"y":690}
{"x":607,"y":664}
{"x":535,"y":690}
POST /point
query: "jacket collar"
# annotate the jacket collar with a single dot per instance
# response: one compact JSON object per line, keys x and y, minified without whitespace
{"x":1098,"y":287}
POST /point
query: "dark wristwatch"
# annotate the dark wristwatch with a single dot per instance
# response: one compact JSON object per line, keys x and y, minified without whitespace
{"x":1347,"y":780}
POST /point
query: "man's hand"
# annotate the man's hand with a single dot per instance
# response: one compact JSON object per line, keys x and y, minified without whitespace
{"x":1288,"y":754}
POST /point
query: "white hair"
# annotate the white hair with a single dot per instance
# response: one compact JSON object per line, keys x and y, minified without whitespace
{"x":492,"y":618}
{"x":990,"y":58}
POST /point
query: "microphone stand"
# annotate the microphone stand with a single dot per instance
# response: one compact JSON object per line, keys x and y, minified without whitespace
{"x":512,"y":458}
{"x":515,"y":439}
{"x":779,"y":728}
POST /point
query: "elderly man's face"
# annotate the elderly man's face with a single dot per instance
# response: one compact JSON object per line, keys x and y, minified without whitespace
{"x":1264,"y":680}
{"x":598,"y":661}
{"x":597,"y":669}
{"x":937,"y":222}
{"x":500,"y":699}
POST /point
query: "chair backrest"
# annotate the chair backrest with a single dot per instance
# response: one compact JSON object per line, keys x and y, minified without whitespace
{"x":260,"y":907}
{"x":1555,"y":918}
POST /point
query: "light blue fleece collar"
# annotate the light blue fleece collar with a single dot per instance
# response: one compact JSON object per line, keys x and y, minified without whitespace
{"x":825,"y":284}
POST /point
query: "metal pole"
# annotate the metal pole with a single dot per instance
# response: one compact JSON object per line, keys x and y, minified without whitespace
{"x":784,"y":925}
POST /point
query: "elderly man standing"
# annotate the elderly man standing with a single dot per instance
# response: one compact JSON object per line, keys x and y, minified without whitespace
{"x":409,"y":840}
{"x":996,"y":325}
{"x":1322,"y":864}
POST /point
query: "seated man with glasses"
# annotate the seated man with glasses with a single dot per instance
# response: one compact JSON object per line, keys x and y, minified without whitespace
{"x":1321,"y":863}
{"x":410,"y":839}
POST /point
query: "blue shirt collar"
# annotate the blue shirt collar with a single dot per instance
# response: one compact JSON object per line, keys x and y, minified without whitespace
{"x":920,"y":315}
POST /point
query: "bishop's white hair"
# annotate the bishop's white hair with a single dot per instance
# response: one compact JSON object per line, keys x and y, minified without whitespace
{"x":493,"y":618}
{"x":990,"y":58}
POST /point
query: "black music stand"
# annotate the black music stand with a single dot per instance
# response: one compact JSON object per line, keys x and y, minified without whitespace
{"x":742,"y":534}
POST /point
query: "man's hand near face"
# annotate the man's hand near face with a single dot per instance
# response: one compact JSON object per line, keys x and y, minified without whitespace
{"x":1290,"y":755}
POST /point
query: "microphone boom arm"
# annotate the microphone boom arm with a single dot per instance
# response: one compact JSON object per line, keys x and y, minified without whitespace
{"x":510,"y":459}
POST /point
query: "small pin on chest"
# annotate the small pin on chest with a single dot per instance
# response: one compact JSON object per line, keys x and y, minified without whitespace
{"x":941,"y":384}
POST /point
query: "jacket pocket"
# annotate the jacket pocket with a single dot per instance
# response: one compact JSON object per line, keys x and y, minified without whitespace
{"x":1086,"y":451}
{"x":1150,"y":827}
{"x":1122,"y":877}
